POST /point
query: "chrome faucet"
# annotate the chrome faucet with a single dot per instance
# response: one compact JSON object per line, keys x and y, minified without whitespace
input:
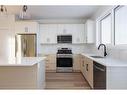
{"x":104,"y":48}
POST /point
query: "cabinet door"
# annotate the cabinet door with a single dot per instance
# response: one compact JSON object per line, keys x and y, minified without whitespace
{"x":78,"y":33}
{"x":89,"y":31}
{"x":83,"y":66}
{"x":60,"y":29}
{"x":51,"y":58}
{"x":69,"y":29}
{"x":90,"y":72}
{"x":48,"y":33}
{"x":33,"y":27}
{"x":19,"y":27}
{"x":50,"y":67}
{"x":51,"y":62}
{"x":26,"y":27}
{"x":76,"y":63}
{"x":85,"y":69}
{"x":44,"y":33}
{"x":65,"y":29}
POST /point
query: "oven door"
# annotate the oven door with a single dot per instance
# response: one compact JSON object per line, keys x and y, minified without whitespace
{"x":64,"y":62}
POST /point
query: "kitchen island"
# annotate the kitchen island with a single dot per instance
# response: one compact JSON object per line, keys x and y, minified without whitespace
{"x":22,"y":73}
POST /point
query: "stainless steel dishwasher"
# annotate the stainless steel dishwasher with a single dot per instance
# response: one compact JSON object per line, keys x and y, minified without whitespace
{"x":99,"y":76}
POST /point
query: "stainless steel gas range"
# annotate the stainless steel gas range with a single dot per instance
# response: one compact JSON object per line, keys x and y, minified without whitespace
{"x":64,"y":60}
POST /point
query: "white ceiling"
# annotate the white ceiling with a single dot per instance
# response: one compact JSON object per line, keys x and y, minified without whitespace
{"x":56,"y":12}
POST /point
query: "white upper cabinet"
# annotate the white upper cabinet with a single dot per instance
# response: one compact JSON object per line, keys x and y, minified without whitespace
{"x":48,"y":33}
{"x":65,"y":29}
{"x":26,"y":27}
{"x":78,"y":33}
{"x":89,"y":31}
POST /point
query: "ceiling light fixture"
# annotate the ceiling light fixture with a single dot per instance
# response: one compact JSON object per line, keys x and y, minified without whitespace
{"x":24,"y":14}
{"x":24,"y":9}
{"x":3,"y":10}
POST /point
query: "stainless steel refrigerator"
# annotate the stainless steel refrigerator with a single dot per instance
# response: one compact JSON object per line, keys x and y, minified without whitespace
{"x":25,"y":45}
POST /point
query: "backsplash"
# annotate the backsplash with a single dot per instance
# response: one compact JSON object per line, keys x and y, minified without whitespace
{"x":118,"y":52}
{"x":76,"y":48}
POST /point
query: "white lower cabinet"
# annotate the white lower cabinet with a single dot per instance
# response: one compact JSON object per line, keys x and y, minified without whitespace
{"x":87,"y":69}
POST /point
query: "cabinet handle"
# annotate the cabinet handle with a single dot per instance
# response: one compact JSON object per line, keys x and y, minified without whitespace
{"x":86,"y":67}
{"x":83,"y":63}
{"x":16,"y":44}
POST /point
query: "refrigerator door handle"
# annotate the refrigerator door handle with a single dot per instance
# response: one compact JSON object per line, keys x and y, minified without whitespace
{"x":16,"y":45}
{"x":24,"y":47}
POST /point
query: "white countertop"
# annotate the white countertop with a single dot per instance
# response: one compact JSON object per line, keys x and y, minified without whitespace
{"x":21,"y":61}
{"x":106,"y":61}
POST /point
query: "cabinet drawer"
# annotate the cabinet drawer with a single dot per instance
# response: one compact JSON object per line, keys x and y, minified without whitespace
{"x":51,"y":58}
{"x":50,"y":66}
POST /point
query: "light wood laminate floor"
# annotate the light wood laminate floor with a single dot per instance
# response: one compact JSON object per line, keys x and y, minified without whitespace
{"x":65,"y":81}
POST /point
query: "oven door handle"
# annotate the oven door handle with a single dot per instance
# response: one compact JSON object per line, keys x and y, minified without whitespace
{"x":60,"y":56}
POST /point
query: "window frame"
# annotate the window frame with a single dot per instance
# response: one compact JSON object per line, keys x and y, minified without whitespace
{"x":117,"y":8}
{"x":98,"y":24}
{"x":111,"y":12}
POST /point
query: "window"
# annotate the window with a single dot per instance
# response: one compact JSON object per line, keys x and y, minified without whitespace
{"x":116,"y":35}
{"x":105,"y":29}
{"x":121,"y":25}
